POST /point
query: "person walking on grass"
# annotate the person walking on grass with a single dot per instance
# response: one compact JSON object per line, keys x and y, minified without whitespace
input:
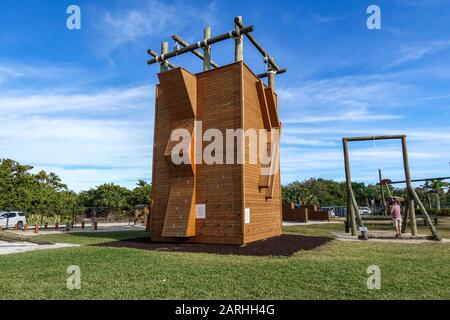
{"x":396,"y":217}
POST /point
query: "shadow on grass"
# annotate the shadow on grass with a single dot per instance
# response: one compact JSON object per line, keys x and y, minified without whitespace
{"x":87,"y":238}
{"x":285,"y":245}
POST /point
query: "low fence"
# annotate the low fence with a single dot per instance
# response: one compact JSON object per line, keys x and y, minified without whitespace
{"x":320,"y":215}
{"x":291,"y":212}
{"x":79,"y":216}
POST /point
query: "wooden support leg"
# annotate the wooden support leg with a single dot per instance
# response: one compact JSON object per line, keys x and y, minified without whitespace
{"x":350,"y":196}
{"x":239,"y":45}
{"x":164,"y":50}
{"x":353,"y":220}
{"x":358,"y":219}
{"x":405,"y":216}
{"x":425,"y":214}
{"x":271,"y":78}
{"x":412,"y":218}
{"x":207,"y":51}
{"x":347,"y":218}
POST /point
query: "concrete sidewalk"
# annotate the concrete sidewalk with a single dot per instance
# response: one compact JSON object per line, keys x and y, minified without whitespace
{"x":88,"y":227}
{"x":292,"y":223}
{"x":23,"y":246}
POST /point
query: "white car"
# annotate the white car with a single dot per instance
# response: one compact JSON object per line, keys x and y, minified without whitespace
{"x":330,"y":210}
{"x":10,"y":219}
{"x":365,"y":211}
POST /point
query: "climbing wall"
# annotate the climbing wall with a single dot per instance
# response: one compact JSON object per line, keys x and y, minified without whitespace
{"x":207,"y":203}
{"x":179,"y":95}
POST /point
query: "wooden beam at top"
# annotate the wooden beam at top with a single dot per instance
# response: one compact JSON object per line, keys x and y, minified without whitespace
{"x":238,"y":23}
{"x":266,"y":74}
{"x":369,"y":138}
{"x":185,"y":44}
{"x":419,"y":180}
{"x":197,"y":45}
{"x":155,"y":54}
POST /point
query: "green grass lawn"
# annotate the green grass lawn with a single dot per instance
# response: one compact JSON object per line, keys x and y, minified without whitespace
{"x":330,"y":229}
{"x":336,"y":270}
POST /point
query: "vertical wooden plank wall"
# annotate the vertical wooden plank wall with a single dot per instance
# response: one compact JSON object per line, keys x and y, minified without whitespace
{"x":226,"y":98}
{"x":219,"y":185}
{"x":265,"y":213}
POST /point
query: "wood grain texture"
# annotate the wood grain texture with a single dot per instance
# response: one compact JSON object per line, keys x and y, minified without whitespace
{"x":265,"y":213}
{"x":225,"y":98}
{"x":291,"y":213}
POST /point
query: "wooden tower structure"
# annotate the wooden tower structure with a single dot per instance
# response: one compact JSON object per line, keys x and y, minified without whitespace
{"x":231,"y":199}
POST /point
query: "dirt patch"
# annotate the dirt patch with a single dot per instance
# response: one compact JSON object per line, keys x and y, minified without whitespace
{"x":284,"y":245}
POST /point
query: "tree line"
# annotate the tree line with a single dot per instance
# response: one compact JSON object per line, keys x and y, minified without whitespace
{"x":324,"y":192}
{"x":43,"y":195}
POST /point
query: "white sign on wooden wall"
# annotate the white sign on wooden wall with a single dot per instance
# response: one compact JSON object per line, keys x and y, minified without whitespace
{"x":200,"y":211}
{"x":247,"y":215}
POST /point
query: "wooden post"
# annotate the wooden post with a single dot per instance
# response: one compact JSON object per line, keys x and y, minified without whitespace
{"x":383,"y":200}
{"x":425,"y":214}
{"x":352,"y":219}
{"x":356,"y":218}
{"x":238,"y":22}
{"x":82,"y":224}
{"x":347,"y":216}
{"x":194,"y":46}
{"x":266,"y":74}
{"x":271,"y":77}
{"x":95,"y":225}
{"x":412,"y":214}
{"x":349,"y":186}
{"x":405,"y":215}
{"x":207,"y":50}
{"x":238,"y":44}
{"x":25,"y":227}
{"x":155,"y":54}
{"x":185,"y":44}
{"x":36,"y":228}
{"x":164,"y":50}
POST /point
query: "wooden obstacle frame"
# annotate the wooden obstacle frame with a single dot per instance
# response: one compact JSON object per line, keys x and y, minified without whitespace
{"x":354,"y":218}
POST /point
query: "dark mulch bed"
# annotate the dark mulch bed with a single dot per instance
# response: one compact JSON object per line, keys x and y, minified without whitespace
{"x":284,"y":245}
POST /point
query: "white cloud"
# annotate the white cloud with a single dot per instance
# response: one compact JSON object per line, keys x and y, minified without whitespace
{"x":14,"y":71}
{"x":149,"y":19}
{"x":295,"y":140}
{"x":63,"y":100}
{"x":345,"y":116}
{"x":87,"y":135}
{"x":350,"y":98}
{"x":413,"y":52}
{"x":338,"y":131}
{"x":100,"y":149}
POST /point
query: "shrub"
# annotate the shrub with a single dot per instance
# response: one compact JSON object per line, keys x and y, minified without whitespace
{"x":444,"y":212}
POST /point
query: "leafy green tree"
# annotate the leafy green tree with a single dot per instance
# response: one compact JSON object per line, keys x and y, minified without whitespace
{"x":141,"y":194}
{"x":437,"y":187}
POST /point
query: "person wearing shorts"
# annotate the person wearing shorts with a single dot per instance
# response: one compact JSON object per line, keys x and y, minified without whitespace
{"x":396,"y":217}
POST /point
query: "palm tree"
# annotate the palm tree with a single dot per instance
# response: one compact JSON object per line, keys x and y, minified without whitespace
{"x":437,"y":188}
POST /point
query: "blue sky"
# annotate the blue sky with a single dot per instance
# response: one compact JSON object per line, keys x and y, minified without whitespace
{"x":80,"y":103}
